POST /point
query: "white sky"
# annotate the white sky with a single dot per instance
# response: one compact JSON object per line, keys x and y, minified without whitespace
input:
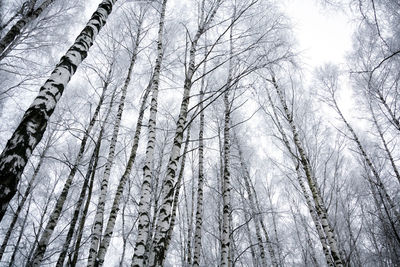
{"x":323,"y":36}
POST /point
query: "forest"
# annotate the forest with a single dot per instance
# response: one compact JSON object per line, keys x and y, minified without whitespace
{"x":194,"y":133}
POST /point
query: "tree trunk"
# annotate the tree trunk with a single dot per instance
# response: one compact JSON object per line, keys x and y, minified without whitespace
{"x":254,"y":213}
{"x":74,"y":260}
{"x":99,"y":216}
{"x":105,"y":242}
{"x":178,"y":186}
{"x":199,"y":206}
{"x":167,"y":192}
{"x":226,"y":187}
{"x":24,"y":198}
{"x":55,"y":215}
{"x":319,"y":204}
{"x":379,"y":184}
{"x":33,"y":125}
{"x":91,"y":166}
{"x":19,"y":236}
{"x":17,"y":28}
{"x":385,"y":144}
{"x":306,"y":195}
{"x":145,"y":198}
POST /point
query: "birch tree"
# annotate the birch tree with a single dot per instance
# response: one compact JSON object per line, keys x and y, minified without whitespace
{"x":33,"y":124}
{"x":91,"y":166}
{"x":158,"y":255}
{"x":55,"y":215}
{"x":109,"y":230}
{"x":98,"y":220}
{"x":31,"y":14}
{"x":144,"y":204}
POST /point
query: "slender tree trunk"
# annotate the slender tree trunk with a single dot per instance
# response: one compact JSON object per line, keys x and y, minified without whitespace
{"x":199,"y":206}
{"x":254,"y":213}
{"x":319,"y":204}
{"x":254,"y":257}
{"x":92,"y":174}
{"x":226,"y":187}
{"x":105,"y":242}
{"x":306,"y":195}
{"x":99,"y":216}
{"x":16,"y":246}
{"x":74,"y":220}
{"x":178,"y":186}
{"x":315,"y":218}
{"x":17,"y":28}
{"x":126,"y":236}
{"x":381,"y":187}
{"x":33,"y":125}
{"x":156,"y":193}
{"x":40,"y":225}
{"x":55,"y":215}
{"x":385,"y":145}
{"x":189,"y":221}
{"x":167,"y":192}
{"x":145,"y":198}
{"x":392,"y":116}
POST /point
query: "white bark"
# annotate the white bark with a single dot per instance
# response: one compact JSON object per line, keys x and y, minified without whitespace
{"x":319,"y":204}
{"x":105,"y":242}
{"x":167,"y":192}
{"x":306,"y":195}
{"x":99,"y":216}
{"x":145,"y":198}
{"x":18,"y":27}
{"x":24,"y":198}
{"x":33,"y":124}
{"x":92,"y":164}
{"x":226,"y":187}
{"x":199,"y":206}
{"x":55,"y":215}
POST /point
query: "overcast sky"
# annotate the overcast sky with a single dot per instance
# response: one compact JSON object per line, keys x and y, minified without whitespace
{"x":322,"y":35}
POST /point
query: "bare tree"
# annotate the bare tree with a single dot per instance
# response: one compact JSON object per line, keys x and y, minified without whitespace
{"x":33,"y":125}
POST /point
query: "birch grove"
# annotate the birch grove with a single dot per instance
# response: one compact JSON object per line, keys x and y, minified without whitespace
{"x":199,"y":133}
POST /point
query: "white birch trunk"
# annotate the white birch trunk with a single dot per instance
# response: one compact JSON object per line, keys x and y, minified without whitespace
{"x":55,"y":215}
{"x":167,"y":192}
{"x":16,"y":246}
{"x":306,"y":195}
{"x":178,"y":186}
{"x":105,"y":242}
{"x":145,"y":198}
{"x":319,"y":204}
{"x":93,"y":159}
{"x":24,"y":198}
{"x":199,"y":206}
{"x":99,"y":216}
{"x":226,"y":187}
{"x":33,"y":124}
{"x":257,"y":218}
{"x":72,"y":260}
